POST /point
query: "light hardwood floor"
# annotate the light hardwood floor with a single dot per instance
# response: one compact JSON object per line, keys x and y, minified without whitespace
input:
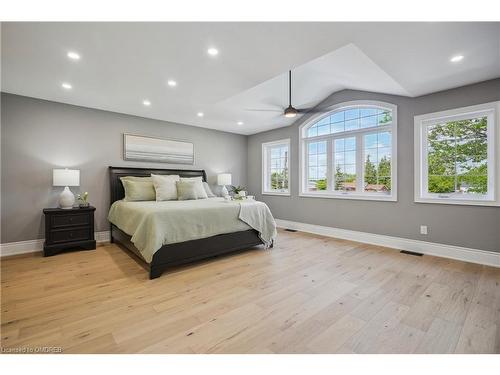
{"x":309,"y":294}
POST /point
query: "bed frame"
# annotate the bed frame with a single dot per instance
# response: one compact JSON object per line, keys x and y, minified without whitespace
{"x":183,"y":252}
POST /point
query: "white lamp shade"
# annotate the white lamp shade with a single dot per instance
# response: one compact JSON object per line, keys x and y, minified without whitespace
{"x":224,"y":179}
{"x":66,"y":177}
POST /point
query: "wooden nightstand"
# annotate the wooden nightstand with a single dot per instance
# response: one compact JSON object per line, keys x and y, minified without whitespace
{"x":68,"y":229}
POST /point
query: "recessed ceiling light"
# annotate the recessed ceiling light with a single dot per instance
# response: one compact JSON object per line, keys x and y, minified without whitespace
{"x":171,"y":83}
{"x":213,"y":51}
{"x":457,"y":58}
{"x":240,"y":122}
{"x":66,"y":86}
{"x":146,"y":102}
{"x":200,"y":114}
{"x":73,"y":55}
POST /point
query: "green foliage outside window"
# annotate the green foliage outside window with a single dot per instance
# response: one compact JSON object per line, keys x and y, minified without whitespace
{"x":457,"y":157}
{"x":378,"y":175}
{"x":279,"y":180}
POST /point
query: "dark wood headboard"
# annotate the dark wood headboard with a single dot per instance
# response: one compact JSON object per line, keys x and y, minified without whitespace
{"x":115,"y":173}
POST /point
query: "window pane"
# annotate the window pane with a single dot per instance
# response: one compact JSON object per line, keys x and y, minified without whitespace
{"x":370,"y":140}
{"x":384,"y":139}
{"x":345,"y":164}
{"x":377,"y":162}
{"x":385,"y":118}
{"x":313,"y":148}
{"x":368,"y":112}
{"x":317,"y":166}
{"x":324,"y":121}
{"x":457,"y":157}
{"x":277,"y":174}
{"x":337,"y":127}
{"x":368,"y":122}
{"x":352,"y":125}
{"x":339,"y":145}
{"x":350,"y":144}
{"x":322,"y":159}
{"x":441,"y":184}
{"x":383,"y":153}
{"x":337,"y":117}
{"x":350,"y":157}
{"x":322,"y":147}
{"x":324,"y":129}
{"x":312,"y":131}
{"x":352,"y":114}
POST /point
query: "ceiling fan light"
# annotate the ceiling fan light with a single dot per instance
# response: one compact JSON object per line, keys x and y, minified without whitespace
{"x":290,"y":112}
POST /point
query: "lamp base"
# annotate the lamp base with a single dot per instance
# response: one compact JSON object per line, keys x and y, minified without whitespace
{"x":224,"y":191}
{"x":66,"y":199}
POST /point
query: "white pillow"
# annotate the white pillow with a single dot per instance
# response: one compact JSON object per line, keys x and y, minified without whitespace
{"x":200,"y":190}
{"x":208,"y":190}
{"x":165,"y":187}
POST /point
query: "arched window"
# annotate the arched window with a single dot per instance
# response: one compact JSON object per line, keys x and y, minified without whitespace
{"x":350,"y":152}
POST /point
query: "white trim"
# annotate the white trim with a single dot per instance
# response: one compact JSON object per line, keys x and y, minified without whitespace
{"x":421,"y":195}
{"x":488,"y":258}
{"x":266,"y":167}
{"x":33,"y":246}
{"x":359,"y":195}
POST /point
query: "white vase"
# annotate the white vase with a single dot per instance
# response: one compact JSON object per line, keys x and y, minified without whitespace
{"x":66,"y":199}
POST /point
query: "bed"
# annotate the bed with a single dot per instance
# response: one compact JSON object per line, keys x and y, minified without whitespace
{"x":178,"y":253}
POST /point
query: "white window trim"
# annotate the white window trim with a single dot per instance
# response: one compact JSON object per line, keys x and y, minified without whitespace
{"x":492,"y":110}
{"x":265,"y":167}
{"x":393,"y":197}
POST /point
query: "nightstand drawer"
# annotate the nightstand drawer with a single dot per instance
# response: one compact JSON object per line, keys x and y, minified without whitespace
{"x":70,"y":220}
{"x":69,"y":235}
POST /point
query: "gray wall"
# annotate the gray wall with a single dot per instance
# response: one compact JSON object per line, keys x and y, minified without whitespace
{"x":39,"y":135}
{"x":468,"y":226}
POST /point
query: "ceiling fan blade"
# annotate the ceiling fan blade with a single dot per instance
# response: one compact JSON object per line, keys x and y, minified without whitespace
{"x":312,"y":110}
{"x":263,"y":110}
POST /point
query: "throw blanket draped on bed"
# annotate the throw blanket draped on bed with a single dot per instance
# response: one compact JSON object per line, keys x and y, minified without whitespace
{"x":154,"y":224}
{"x":259,"y":217}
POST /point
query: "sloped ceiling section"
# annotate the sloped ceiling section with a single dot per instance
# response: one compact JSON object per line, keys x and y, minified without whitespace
{"x":122,"y":64}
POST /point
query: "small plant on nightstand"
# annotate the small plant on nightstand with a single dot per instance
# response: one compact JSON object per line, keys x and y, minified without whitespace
{"x":236,"y":189}
{"x":83,"y":198}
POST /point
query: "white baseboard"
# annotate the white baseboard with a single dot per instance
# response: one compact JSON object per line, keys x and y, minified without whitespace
{"x":488,"y":258}
{"x":32,"y":246}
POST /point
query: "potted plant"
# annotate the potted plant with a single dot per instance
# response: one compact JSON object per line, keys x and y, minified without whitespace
{"x":239,"y":191}
{"x":83,"y":198}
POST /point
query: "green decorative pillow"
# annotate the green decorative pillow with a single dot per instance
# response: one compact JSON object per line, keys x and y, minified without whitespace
{"x":138,"y":188}
{"x":186,"y":190}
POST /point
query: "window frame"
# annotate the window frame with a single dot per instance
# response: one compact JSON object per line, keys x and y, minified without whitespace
{"x":421,"y":122}
{"x":266,"y":160}
{"x":358,"y":195}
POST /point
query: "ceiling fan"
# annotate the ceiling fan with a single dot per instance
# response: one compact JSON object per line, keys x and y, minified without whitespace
{"x":289,"y":111}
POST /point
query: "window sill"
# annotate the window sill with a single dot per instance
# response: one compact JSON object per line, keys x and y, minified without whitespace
{"x":286,"y":194}
{"x":458,"y":202}
{"x":382,"y":198}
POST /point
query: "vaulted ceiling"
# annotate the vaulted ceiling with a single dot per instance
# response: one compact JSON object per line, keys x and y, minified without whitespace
{"x":123,"y":64}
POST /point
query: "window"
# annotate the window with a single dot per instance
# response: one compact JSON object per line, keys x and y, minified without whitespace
{"x":350,"y":152}
{"x":276,"y":167}
{"x":455,"y":156}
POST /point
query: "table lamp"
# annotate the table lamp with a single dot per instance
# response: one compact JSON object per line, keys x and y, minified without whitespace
{"x":224,"y":179}
{"x":66,"y":177}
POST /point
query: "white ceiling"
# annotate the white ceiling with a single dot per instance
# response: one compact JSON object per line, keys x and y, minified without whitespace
{"x":124,"y":63}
